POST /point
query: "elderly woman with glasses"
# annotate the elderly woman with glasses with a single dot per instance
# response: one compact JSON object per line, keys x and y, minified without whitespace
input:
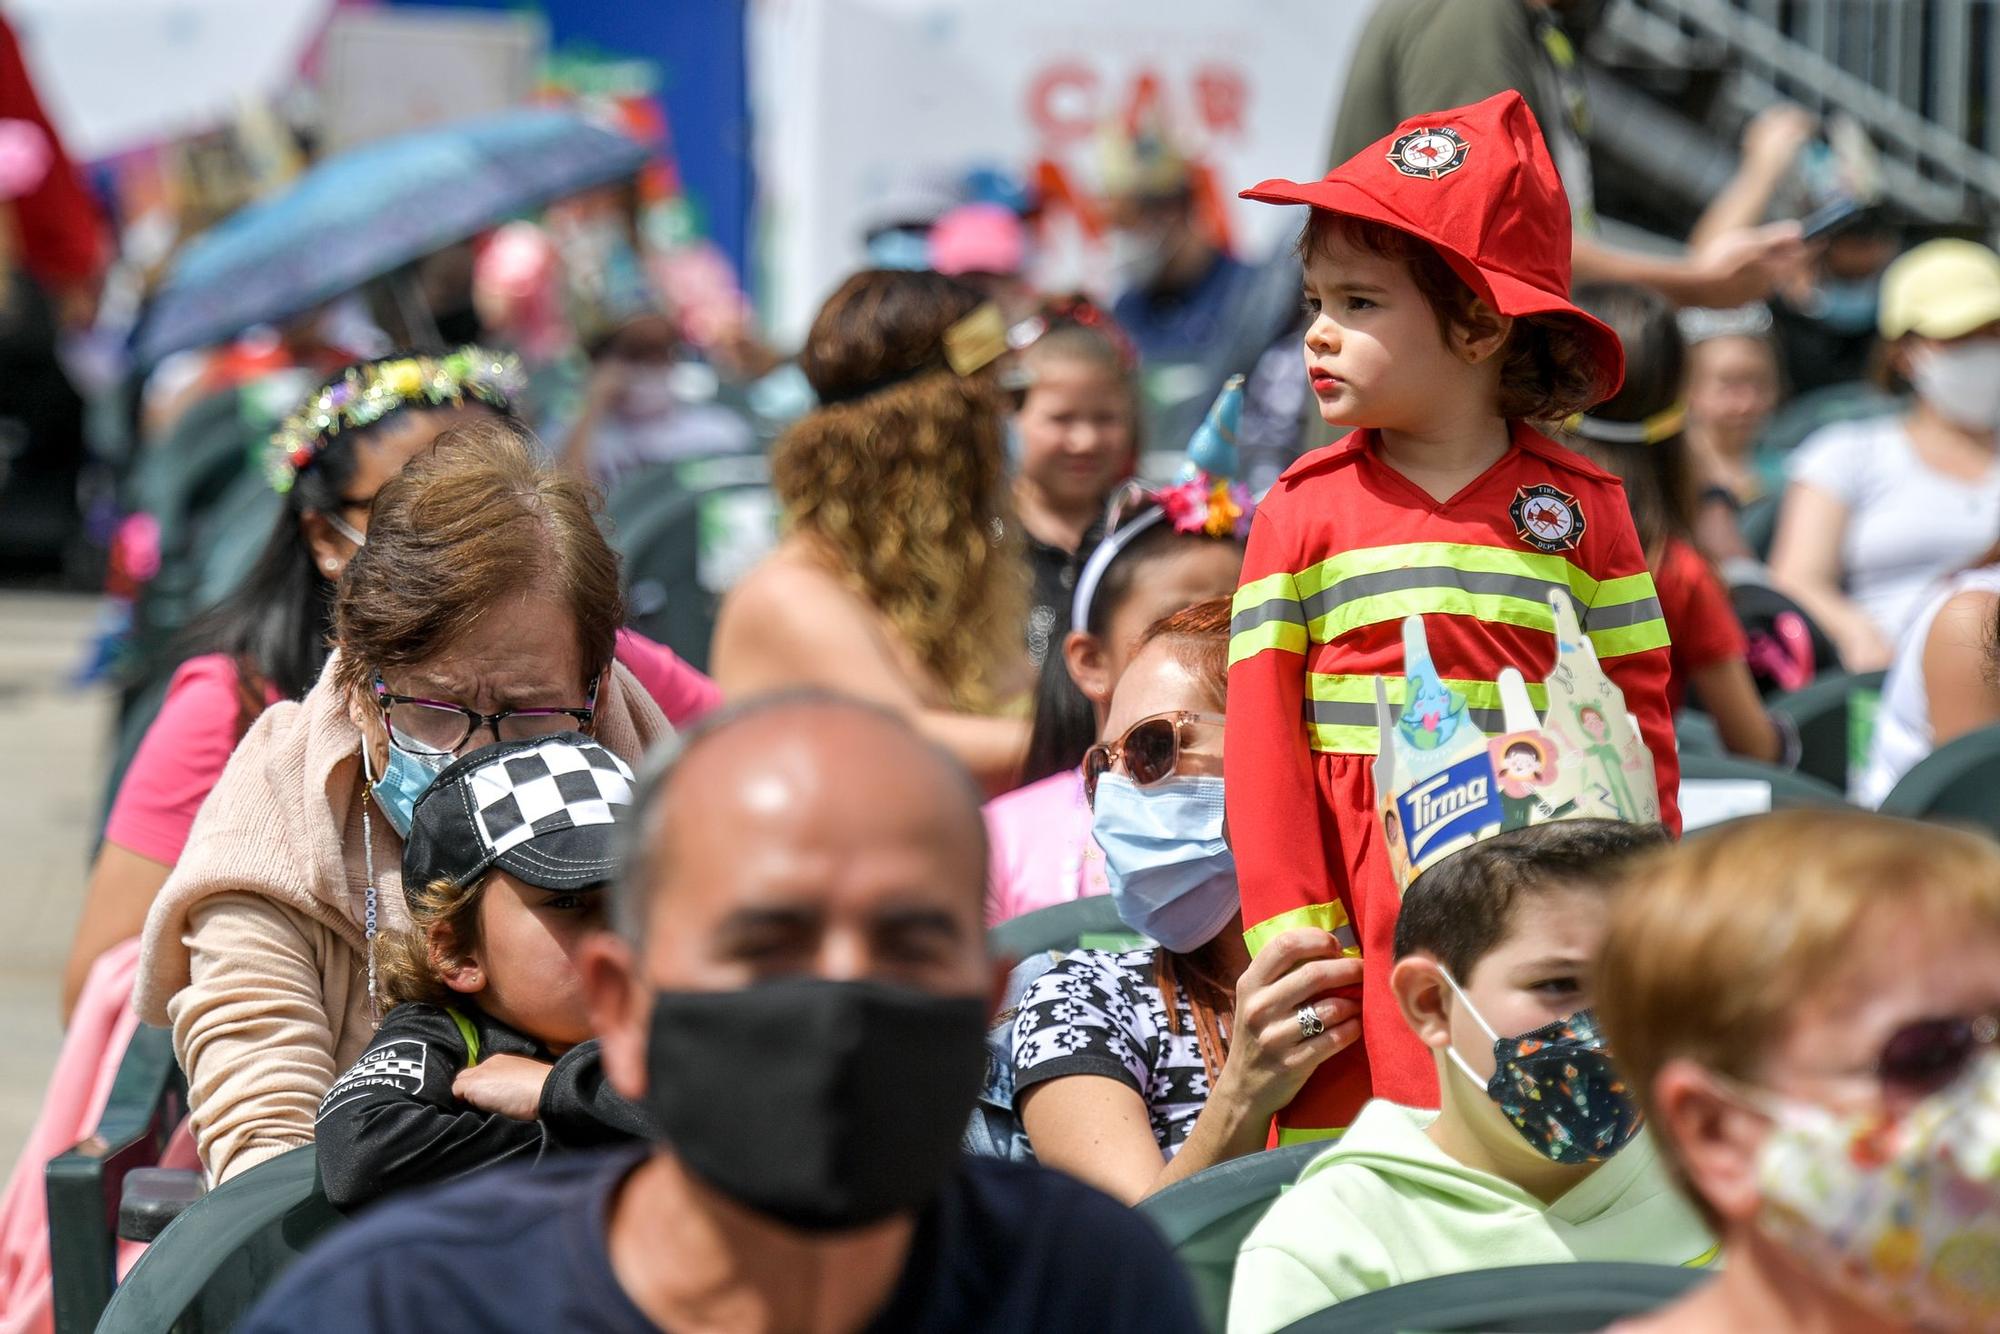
{"x":484,"y":607}
{"x":1133,"y":1070}
{"x":1806,"y":1005}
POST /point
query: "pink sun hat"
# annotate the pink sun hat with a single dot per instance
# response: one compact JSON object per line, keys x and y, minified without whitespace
{"x":979,"y":238}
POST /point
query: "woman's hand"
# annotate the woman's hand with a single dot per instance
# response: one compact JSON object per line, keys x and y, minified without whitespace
{"x":509,"y":1086}
{"x":1270,"y":1055}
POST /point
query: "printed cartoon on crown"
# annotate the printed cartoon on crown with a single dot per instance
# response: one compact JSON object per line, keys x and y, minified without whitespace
{"x":1443,"y":785}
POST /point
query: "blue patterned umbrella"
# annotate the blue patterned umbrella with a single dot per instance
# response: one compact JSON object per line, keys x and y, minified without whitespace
{"x":366,"y":213}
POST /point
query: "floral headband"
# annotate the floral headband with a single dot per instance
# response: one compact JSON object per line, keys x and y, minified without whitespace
{"x":371,"y":391}
{"x":1201,"y":506}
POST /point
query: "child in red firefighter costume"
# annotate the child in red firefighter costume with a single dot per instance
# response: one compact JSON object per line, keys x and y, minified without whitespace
{"x":1436,"y":273}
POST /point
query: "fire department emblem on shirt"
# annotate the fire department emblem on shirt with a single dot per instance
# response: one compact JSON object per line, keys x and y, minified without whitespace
{"x":1429,"y":154}
{"x":1547,"y":518}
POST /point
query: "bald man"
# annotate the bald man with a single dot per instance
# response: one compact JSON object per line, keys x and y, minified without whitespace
{"x":799,"y":987}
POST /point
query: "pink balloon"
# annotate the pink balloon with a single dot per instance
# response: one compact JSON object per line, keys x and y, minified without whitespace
{"x":25,"y":157}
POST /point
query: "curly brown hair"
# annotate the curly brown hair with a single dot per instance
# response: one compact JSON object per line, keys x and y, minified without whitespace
{"x":901,"y":474}
{"x":1547,"y":371}
{"x":444,"y":930}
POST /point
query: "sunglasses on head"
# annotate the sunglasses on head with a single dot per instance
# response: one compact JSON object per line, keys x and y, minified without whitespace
{"x":1922,"y":1057}
{"x":1149,"y":751}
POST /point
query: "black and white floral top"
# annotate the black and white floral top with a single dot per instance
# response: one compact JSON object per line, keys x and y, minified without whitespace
{"x":1099,"y":1013}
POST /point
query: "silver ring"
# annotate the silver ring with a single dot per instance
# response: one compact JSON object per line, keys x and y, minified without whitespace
{"x":1310,"y":1024}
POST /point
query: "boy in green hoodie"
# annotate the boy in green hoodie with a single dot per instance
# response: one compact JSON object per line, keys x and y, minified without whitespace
{"x":1536,"y":1154}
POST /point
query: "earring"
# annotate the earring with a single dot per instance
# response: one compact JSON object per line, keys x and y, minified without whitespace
{"x":329,"y":565}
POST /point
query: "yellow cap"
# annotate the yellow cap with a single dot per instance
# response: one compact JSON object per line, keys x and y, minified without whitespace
{"x":1941,"y":289}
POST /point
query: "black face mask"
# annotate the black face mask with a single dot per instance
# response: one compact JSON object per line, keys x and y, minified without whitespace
{"x":826,"y":1105}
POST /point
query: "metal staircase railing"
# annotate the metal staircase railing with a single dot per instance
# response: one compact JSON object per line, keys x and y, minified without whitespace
{"x":1921,"y":76}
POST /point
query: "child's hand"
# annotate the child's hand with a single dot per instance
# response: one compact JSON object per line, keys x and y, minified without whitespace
{"x":1270,"y":1054}
{"x":509,"y":1086}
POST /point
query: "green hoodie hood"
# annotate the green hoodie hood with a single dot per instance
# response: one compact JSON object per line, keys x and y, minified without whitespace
{"x":1385,"y":1205}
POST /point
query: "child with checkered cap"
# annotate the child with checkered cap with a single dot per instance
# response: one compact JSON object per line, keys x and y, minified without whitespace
{"x":486,"y":1055}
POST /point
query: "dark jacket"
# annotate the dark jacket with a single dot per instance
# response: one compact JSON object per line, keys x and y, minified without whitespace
{"x":391,"y":1122}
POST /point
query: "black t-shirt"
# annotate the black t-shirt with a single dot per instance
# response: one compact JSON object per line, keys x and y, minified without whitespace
{"x":1055,"y":574}
{"x":1005,"y":1246}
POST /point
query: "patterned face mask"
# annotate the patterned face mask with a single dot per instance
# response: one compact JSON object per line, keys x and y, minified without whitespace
{"x":1557,"y":1086}
{"x":1904,"y":1214}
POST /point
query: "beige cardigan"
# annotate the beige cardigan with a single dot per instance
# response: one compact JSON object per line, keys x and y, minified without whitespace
{"x":254,"y":950}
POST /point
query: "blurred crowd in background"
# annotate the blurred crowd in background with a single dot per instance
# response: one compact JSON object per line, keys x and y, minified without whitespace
{"x":927,"y":356}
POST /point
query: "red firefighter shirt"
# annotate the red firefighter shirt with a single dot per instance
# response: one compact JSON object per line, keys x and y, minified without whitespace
{"x":1343,"y":549}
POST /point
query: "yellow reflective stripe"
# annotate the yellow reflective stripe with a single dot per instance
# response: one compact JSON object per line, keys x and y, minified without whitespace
{"x":1340,"y":708}
{"x":1625,"y":588}
{"x":1265,"y":614}
{"x":466,"y":1031}
{"x":1465,"y":556}
{"x":1308,"y":1134}
{"x":1359,"y":688}
{"x":1498,"y":608}
{"x":1354,"y":589}
{"x":1328,"y":917}
{"x":1630,"y":638}
{"x":1285,"y":636}
{"x":1282,"y":587}
{"x":1343,"y":738}
{"x":1705,"y":1259}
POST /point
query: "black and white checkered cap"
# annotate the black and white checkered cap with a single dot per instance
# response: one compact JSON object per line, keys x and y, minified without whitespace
{"x":545,"y":810}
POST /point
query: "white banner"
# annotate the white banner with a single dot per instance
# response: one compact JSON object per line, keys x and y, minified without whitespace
{"x":857,"y":102}
{"x":120,"y":74}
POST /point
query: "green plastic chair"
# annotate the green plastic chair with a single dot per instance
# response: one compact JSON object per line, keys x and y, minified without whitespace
{"x":1758,"y":522}
{"x":670,"y":596}
{"x":231,"y":537}
{"x":211,"y":1264}
{"x":1206,"y":1217}
{"x":1959,"y":781}
{"x":638,"y":492}
{"x":1825,"y":718}
{"x":1545,"y":1299}
{"x":1695,"y":733}
{"x":85,"y":1184}
{"x":1788,"y":789}
{"x":1086,"y":923}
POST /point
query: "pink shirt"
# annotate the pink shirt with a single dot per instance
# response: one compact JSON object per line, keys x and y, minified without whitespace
{"x":682,"y":693}
{"x":1042,"y":849}
{"x":200,"y":722}
{"x":179,"y":759}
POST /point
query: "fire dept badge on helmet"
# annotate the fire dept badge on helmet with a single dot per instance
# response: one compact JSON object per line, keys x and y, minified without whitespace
{"x":1429,"y":154}
{"x":1547,"y":517}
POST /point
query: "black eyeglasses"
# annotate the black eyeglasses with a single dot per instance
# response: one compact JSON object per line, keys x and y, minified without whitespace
{"x":1922,"y":1057}
{"x":434,"y":727}
{"x":1149,"y":751}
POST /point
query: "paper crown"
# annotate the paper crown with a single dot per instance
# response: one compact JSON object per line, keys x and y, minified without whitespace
{"x":1444,"y":785}
{"x":1212,"y":449}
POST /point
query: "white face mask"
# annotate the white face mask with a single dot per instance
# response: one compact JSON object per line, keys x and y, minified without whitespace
{"x":1961,"y":382}
{"x":649,"y":392}
{"x":1138,"y":256}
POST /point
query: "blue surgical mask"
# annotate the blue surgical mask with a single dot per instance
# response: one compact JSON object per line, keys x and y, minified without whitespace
{"x":1846,"y":305}
{"x":404,"y":779}
{"x":1172,"y":876}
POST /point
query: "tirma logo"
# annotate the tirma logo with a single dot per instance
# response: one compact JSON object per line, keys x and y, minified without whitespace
{"x":1456,"y":803}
